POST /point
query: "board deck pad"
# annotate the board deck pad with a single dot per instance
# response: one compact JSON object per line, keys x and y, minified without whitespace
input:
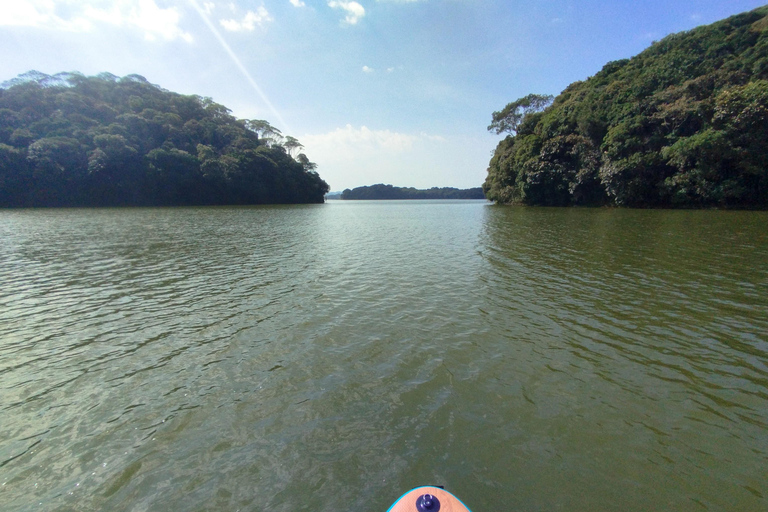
{"x":428,"y":499}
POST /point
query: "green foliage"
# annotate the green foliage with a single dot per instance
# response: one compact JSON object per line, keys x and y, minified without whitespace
{"x":72,"y":140}
{"x":683,"y":124}
{"x":381,"y":191}
{"x":510,"y":117}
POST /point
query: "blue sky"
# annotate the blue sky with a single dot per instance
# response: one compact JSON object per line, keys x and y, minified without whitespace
{"x":378,"y":91}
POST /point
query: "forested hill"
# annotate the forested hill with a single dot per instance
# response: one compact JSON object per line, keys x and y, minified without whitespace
{"x":683,"y":124}
{"x":381,"y":191}
{"x":72,"y":140}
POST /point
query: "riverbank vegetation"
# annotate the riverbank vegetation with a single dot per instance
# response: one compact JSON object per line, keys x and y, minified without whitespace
{"x":72,"y":140}
{"x":381,"y":191}
{"x":682,"y":124}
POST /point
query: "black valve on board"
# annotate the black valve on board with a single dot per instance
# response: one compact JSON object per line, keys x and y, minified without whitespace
{"x":427,"y":503}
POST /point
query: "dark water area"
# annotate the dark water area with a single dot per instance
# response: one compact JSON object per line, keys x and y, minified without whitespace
{"x":331,"y":357}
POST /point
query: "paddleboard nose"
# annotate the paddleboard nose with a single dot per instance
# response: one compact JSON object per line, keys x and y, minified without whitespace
{"x":428,"y":499}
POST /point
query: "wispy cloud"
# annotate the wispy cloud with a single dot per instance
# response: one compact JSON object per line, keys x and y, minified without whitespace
{"x":368,"y":69}
{"x":433,"y":138}
{"x":249,"y":21}
{"x":352,"y":156}
{"x":350,"y":142}
{"x":237,"y":62}
{"x":354,"y":10}
{"x":297,"y":3}
{"x":143,"y":15}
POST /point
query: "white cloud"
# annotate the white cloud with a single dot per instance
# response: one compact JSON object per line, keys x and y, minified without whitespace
{"x":352,"y":143}
{"x":297,"y":3}
{"x":249,"y":21}
{"x":389,"y":70}
{"x":84,"y":15}
{"x":208,"y":7}
{"x":354,"y":10}
{"x":29,"y":14}
{"x":366,"y":69}
{"x":433,"y":138}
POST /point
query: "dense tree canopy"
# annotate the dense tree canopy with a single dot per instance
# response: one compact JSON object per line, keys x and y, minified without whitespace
{"x":72,"y":140}
{"x":381,"y":191}
{"x":683,"y":124}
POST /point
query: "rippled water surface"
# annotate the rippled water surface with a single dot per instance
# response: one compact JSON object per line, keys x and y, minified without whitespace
{"x":330,"y":357}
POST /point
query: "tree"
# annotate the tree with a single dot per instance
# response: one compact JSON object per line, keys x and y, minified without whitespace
{"x":72,"y":140}
{"x":264,"y":130}
{"x":304,"y":161}
{"x":511,"y":116}
{"x":15,"y":176}
{"x":291,"y":143}
{"x":56,"y":164}
{"x":682,"y":124}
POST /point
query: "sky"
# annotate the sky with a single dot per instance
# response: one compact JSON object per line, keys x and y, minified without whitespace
{"x":378,"y":91}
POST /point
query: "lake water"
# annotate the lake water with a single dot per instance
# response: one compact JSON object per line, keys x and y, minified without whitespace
{"x":331,"y":357}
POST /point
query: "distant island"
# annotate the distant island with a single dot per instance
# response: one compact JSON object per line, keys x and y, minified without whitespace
{"x":682,"y":124}
{"x":72,"y":140}
{"x":381,"y":191}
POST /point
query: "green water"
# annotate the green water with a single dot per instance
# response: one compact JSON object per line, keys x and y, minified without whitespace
{"x":331,"y":357}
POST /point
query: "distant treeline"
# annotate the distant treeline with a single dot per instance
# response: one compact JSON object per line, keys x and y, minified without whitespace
{"x":382,"y":191}
{"x":72,"y":140}
{"x":682,"y":124}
